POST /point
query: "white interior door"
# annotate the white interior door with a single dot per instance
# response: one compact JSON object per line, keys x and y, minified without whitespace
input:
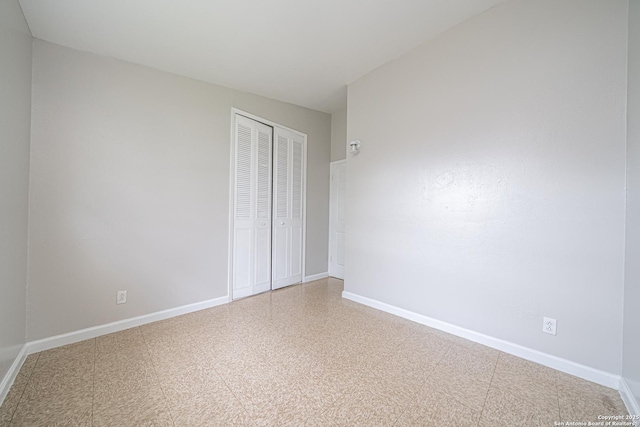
{"x":288,"y":204}
{"x":336,"y":218}
{"x":252,"y":207}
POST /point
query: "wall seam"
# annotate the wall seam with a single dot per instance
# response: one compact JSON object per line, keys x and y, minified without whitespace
{"x":28,"y":275}
{"x":626,"y":191}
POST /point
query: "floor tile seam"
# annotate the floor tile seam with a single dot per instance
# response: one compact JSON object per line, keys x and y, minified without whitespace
{"x":517,"y":392}
{"x":13,"y":413}
{"x":332,"y":421}
{"x":144,"y":334}
{"x":335,"y":392}
{"x":148,"y":349}
{"x":159,"y":383}
{"x":224,"y":381}
{"x":407,"y":406}
{"x":495,"y":367}
{"x":537,"y":405}
{"x":444,"y":353}
{"x":433,"y":369}
{"x":93,"y":383}
{"x":415,"y":331}
{"x":438,"y":363}
{"x":555,"y":377}
{"x":450,"y":397}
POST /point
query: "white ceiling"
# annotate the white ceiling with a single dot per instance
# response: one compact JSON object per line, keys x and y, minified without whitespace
{"x":300,"y":51}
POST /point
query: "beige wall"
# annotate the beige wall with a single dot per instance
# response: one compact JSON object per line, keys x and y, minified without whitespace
{"x":489,"y":190}
{"x":631,"y":351}
{"x":15,"y":118}
{"x":339,"y":135}
{"x":130,"y":188}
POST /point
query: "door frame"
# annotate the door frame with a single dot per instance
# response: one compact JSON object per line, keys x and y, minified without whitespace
{"x":332,"y":167}
{"x":234,"y":112}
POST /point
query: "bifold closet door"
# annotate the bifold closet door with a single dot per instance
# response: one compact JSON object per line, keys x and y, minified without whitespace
{"x":252,"y":208}
{"x":288,"y":203}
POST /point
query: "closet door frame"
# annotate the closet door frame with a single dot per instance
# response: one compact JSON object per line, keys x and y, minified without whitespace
{"x":232,"y":160}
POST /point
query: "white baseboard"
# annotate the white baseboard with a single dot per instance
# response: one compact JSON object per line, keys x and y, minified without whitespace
{"x":594,"y":375}
{"x":315,"y":277}
{"x":120,"y":325}
{"x":11,"y":374}
{"x":96,"y":331}
{"x":630,"y":401}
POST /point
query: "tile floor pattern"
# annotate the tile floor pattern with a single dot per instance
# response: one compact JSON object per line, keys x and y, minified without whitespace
{"x":300,"y":356}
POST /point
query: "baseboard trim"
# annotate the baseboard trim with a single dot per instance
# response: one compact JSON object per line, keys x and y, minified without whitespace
{"x":315,"y":277}
{"x":12,"y":373}
{"x":630,"y":401}
{"x":594,"y":375}
{"x":120,"y":325}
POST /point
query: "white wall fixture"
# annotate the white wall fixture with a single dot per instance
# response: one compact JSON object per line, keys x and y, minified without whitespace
{"x":121,"y":297}
{"x":354,"y":146}
{"x":549,"y":325}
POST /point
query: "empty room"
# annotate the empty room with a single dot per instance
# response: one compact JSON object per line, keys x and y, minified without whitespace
{"x":304,"y":213}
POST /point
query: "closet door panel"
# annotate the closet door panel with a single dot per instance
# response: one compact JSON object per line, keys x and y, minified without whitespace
{"x":280,"y":261}
{"x":297,"y":196}
{"x":262,"y":260}
{"x":262,"y":225}
{"x":243,"y":224}
{"x":242,"y":260}
{"x":252,"y":208}
{"x":288,"y":208}
{"x":281,"y":240}
{"x":295,"y":266}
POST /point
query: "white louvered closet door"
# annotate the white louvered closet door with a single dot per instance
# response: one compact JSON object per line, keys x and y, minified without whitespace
{"x":288,"y":202}
{"x":252,"y":208}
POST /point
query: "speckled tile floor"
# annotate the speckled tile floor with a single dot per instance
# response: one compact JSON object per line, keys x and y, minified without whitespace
{"x":300,"y":356}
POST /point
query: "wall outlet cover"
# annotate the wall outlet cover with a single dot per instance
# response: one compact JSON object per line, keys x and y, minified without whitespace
{"x":121,"y":297}
{"x":549,"y":325}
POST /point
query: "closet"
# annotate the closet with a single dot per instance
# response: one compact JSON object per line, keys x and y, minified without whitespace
{"x":268,"y":193}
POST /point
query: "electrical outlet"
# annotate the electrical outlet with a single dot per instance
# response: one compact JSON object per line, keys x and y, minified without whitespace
{"x":121,"y":298}
{"x":549,"y":325}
